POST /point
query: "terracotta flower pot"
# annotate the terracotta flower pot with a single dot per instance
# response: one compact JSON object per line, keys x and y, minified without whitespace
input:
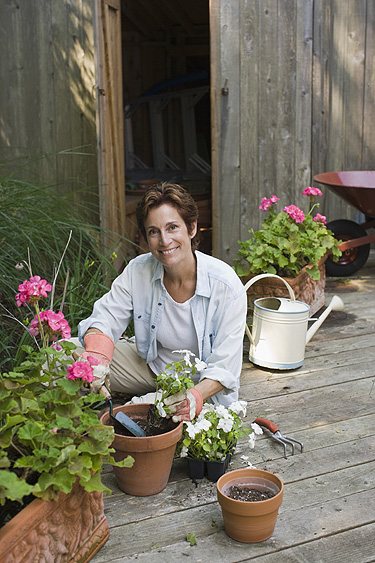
{"x":153,"y":455}
{"x":72,"y":528}
{"x":250,"y":522}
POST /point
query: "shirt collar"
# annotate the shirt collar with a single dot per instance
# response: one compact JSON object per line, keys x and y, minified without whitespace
{"x":203,"y":285}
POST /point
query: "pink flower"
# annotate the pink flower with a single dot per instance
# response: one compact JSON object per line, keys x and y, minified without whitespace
{"x":267,"y":202}
{"x":320,"y":218}
{"x":53,"y":323}
{"x":311,"y":191}
{"x":81,"y":370}
{"x":295,"y":213}
{"x":32,"y":290}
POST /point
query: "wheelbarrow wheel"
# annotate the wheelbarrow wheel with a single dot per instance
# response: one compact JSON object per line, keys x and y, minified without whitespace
{"x":351,"y":259}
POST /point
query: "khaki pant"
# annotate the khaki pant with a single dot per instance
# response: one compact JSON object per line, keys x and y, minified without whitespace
{"x":128,"y":372}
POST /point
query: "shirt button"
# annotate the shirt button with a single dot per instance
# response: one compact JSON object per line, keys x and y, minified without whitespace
{"x":152,"y":326}
{"x":159,"y":304}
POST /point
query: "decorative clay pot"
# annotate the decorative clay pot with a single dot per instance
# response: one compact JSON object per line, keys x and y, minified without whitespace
{"x":153,"y":455}
{"x":72,"y":528}
{"x":305,"y":288}
{"x":250,"y":522}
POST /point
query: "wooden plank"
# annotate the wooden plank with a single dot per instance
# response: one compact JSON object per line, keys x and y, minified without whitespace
{"x":225,"y":18}
{"x":251,"y":190}
{"x":315,"y":498}
{"x":345,"y":547}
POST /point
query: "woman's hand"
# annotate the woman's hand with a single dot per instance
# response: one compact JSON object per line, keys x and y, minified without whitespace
{"x":184,"y":406}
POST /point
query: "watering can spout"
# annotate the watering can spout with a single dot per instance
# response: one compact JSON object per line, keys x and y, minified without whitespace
{"x":335,"y":305}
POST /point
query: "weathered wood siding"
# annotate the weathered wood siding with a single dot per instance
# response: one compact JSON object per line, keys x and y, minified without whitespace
{"x":292,"y":96}
{"x":47,"y":94}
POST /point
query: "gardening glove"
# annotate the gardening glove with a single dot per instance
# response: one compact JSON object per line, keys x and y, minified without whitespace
{"x":100,"y":347}
{"x":185,"y":405}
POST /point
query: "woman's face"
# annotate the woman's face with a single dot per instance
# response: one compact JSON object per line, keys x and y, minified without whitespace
{"x":167,"y":235}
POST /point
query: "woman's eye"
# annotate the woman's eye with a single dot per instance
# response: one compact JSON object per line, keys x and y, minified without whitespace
{"x":173,"y":227}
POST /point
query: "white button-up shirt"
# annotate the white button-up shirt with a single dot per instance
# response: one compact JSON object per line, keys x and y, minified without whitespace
{"x":219,"y":316}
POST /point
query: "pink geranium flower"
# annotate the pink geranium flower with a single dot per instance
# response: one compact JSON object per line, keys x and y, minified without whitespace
{"x":295,"y":213}
{"x":32,"y":290}
{"x":320,"y":218}
{"x":53,"y":323}
{"x":312,"y":191}
{"x":81,"y":370}
{"x":267,"y":202}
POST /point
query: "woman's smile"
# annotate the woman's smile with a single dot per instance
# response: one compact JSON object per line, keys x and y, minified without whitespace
{"x":168,"y":238}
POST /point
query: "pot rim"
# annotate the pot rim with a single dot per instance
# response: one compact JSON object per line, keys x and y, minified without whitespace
{"x":239,"y":474}
{"x":141,"y":439}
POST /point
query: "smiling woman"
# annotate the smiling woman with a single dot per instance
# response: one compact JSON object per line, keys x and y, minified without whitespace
{"x":179,"y":298}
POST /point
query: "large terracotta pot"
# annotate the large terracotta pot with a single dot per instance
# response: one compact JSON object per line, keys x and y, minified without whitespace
{"x":153,"y":455}
{"x":72,"y":528}
{"x":250,"y":522}
{"x":305,"y":288}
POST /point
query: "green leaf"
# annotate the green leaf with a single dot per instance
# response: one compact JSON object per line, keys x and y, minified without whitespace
{"x":12,"y":487}
{"x":191,"y":539}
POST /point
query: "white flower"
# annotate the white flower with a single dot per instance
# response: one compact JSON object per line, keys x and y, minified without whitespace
{"x":238,"y":407}
{"x":257,"y":429}
{"x":200,"y":364}
{"x":203,"y":424}
{"x":161,"y":410}
{"x":222,"y":411}
{"x":252,"y":440}
{"x":184,"y":451}
{"x":187,"y":354}
{"x":191,"y":430}
{"x":226,"y":424}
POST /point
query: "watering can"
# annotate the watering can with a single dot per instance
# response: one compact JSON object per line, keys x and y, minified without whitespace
{"x":280,"y":328}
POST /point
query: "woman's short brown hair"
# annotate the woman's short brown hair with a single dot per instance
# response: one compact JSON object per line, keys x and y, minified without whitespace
{"x":171,"y":194}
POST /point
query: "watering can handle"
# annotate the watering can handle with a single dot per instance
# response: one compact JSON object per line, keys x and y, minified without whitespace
{"x":260,"y":277}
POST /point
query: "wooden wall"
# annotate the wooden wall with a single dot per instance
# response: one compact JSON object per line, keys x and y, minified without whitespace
{"x":293,"y":95}
{"x":47,"y":94}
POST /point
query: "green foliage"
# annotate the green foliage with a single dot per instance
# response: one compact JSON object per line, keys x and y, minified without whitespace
{"x":176,"y":378}
{"x":214,"y":433}
{"x":284,"y":247}
{"x":50,"y":434}
{"x":36,"y":220}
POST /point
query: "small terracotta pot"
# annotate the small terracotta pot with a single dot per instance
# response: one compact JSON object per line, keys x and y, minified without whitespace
{"x":250,"y":522}
{"x":153,"y":455}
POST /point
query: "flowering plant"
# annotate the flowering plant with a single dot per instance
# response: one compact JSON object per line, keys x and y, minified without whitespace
{"x":214,"y":433}
{"x":50,"y":434}
{"x":177,"y":377}
{"x":287,"y":241}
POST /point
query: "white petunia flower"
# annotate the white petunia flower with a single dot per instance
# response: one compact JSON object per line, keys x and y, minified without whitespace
{"x":226,"y":424}
{"x":238,"y":407}
{"x":257,"y":429}
{"x":200,"y":364}
{"x":191,"y":430}
{"x":161,"y":410}
{"x":184,"y":451}
{"x":187,"y":354}
{"x":252,"y":440}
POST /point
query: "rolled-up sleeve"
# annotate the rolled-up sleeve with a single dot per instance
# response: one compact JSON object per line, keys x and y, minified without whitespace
{"x":112,"y":312}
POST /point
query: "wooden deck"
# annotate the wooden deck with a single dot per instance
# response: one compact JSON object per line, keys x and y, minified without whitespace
{"x":328,"y":511}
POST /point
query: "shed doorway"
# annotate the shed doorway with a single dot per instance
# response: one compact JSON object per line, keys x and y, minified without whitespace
{"x":166,"y":102}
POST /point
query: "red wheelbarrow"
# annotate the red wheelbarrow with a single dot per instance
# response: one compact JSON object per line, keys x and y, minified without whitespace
{"x":358,"y":189}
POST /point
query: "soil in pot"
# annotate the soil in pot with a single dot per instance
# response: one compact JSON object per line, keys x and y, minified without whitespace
{"x":153,"y":425}
{"x":248,"y":494}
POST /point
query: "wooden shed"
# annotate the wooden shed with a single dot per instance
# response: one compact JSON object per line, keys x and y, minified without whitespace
{"x":235,"y":99}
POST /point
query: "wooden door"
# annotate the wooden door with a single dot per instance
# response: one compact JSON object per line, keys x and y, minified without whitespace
{"x":110,"y":118}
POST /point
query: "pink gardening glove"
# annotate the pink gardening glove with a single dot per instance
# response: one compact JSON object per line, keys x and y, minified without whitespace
{"x":100,"y":347}
{"x":185,"y":405}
